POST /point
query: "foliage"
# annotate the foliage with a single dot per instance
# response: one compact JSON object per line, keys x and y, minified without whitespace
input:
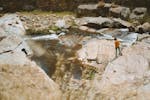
{"x":89,"y":72}
{"x":37,"y":32}
{"x":40,"y":12}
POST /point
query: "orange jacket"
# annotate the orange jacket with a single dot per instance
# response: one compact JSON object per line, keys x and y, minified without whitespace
{"x":117,"y":43}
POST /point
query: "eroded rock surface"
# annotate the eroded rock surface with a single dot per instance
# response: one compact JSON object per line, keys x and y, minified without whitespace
{"x":97,"y":23}
{"x":128,"y":75}
{"x":125,"y":77}
{"x":21,"y":78}
{"x":97,"y":53}
{"x":138,"y":13}
{"x":26,"y":82}
{"x":120,"y":12}
{"x":122,"y":74}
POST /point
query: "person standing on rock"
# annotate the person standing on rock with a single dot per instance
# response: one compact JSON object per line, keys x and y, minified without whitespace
{"x":117,"y":47}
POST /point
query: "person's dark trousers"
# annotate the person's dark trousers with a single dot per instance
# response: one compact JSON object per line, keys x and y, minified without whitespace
{"x":118,"y":49}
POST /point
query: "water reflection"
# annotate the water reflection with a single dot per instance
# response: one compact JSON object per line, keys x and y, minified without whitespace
{"x":58,"y":59}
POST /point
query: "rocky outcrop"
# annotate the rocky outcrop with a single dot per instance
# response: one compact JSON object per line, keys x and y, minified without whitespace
{"x":21,"y":78}
{"x":11,"y":25}
{"x":11,"y":32}
{"x":26,"y":82}
{"x":97,"y":23}
{"x":87,"y":10}
{"x":96,"y":53}
{"x":138,"y":13}
{"x":124,"y":78}
{"x":95,"y":10}
{"x":120,"y":12}
{"x":127,"y":75}
{"x":105,"y":9}
{"x":145,"y":27}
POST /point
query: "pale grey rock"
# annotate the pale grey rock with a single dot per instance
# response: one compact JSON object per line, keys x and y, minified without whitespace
{"x":97,"y":51}
{"x":11,"y":24}
{"x":84,"y":28}
{"x":143,"y":92}
{"x":12,"y":30}
{"x":14,"y":43}
{"x":87,"y":10}
{"x":140,"y":48}
{"x":51,"y":31}
{"x":26,"y":82}
{"x":122,"y":22}
{"x":21,"y":78}
{"x":88,"y":6}
{"x":145,"y":27}
{"x":122,"y":75}
{"x":102,"y":22}
{"x":60,"y":23}
{"x":124,"y":78}
{"x":120,"y":12}
{"x":138,"y":13}
{"x":91,"y":30}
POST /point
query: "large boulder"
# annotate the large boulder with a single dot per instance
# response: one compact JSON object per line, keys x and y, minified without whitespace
{"x":96,"y":20}
{"x":120,"y":12}
{"x":128,"y":75}
{"x":87,"y":10}
{"x":97,"y":23}
{"x":123,"y":76}
{"x":26,"y":82}
{"x":103,"y":9}
{"x":12,"y":31}
{"x":97,"y":52}
{"x":145,"y":27}
{"x":122,"y":23}
{"x":11,"y":24}
{"x":141,"y":48}
{"x":138,"y":13}
{"x":12,"y":46}
{"x":21,"y":78}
